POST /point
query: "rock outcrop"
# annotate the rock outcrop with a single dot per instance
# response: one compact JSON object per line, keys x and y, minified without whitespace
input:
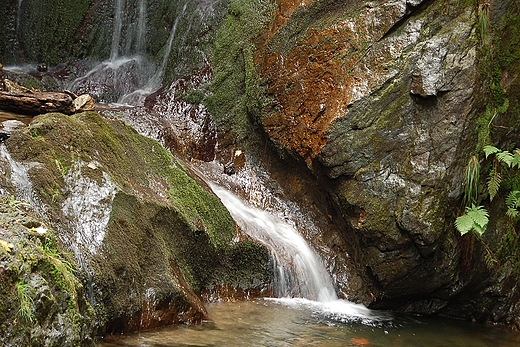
{"x":147,"y":238}
{"x":380,"y":101}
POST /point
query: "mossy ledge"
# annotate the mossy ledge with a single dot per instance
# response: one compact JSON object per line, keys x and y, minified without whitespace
{"x":151,"y":239}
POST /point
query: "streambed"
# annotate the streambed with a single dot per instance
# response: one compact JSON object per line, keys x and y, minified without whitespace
{"x":295,"y":322}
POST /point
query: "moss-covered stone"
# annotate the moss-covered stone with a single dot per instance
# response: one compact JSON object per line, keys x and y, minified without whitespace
{"x":236,"y":97}
{"x":42,"y":300}
{"x":146,"y":235}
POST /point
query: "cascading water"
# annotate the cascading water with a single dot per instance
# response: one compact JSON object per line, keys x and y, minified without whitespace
{"x":300,"y":277}
{"x":299,"y":272}
{"x":118,"y":25}
{"x":21,"y":181}
{"x":137,"y":97}
{"x":18,"y":18}
{"x":141,"y":27}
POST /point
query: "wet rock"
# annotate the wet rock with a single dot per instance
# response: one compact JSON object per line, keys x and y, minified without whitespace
{"x":42,"y":67}
{"x":13,"y":87}
{"x":43,"y":301}
{"x":3,"y":136}
{"x":84,"y":103}
{"x":147,"y":238}
{"x":12,"y":124}
{"x":229,"y":168}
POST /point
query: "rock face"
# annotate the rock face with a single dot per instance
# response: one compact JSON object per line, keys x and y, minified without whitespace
{"x":147,"y":238}
{"x":379,"y":100}
{"x":376,"y":105}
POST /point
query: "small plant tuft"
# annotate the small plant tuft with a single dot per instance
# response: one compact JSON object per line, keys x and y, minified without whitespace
{"x":24,"y":294}
{"x":475,"y":219}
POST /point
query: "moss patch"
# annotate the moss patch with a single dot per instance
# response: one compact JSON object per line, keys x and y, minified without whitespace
{"x":236,"y":92}
{"x":42,"y":300}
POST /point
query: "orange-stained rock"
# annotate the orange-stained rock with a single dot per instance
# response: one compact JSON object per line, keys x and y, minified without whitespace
{"x":327,"y":70}
{"x":360,"y":341}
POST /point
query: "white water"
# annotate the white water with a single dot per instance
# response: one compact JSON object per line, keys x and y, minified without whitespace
{"x":301,"y":280}
{"x":88,"y":206}
{"x":118,"y":25}
{"x":299,"y":271}
{"x":21,"y":181}
{"x":18,"y":18}
{"x":141,"y":27}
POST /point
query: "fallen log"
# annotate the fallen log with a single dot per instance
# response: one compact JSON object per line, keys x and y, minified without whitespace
{"x":34,"y":103}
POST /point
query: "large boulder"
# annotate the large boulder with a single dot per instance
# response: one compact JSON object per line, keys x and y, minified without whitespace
{"x":382,"y":101}
{"x":148,"y":239}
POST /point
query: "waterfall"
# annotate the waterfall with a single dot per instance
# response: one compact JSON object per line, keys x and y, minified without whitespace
{"x":299,"y":271}
{"x":118,"y":25}
{"x":141,"y":27}
{"x":18,"y":18}
{"x":157,"y":78}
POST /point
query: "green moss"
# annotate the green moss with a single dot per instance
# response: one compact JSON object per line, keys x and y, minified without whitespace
{"x":49,"y":27}
{"x":236,"y":92}
{"x":201,"y":208}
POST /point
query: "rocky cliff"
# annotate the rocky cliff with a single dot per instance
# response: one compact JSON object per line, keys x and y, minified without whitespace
{"x":381,"y":101}
{"x":367,"y":113}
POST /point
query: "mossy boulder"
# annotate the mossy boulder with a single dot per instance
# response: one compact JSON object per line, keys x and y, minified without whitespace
{"x":42,"y":299}
{"x":148,"y":238}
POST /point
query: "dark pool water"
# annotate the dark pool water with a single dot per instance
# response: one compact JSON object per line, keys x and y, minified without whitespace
{"x":303,"y":323}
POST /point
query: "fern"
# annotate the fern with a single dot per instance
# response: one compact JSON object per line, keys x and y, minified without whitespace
{"x":505,"y":157}
{"x":493,"y":183}
{"x":464,"y":224}
{"x":516,"y":159}
{"x":513,"y":203}
{"x":476,"y":218}
{"x":488,"y":150}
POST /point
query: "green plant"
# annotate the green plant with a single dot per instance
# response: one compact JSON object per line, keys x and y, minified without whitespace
{"x":24,"y":294}
{"x":483,"y":20}
{"x":61,"y":270}
{"x":12,"y":202}
{"x":475,"y":218}
{"x":62,"y":168}
{"x":472,"y":178}
{"x":513,"y":203}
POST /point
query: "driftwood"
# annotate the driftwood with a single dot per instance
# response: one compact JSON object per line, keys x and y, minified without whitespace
{"x":34,"y":103}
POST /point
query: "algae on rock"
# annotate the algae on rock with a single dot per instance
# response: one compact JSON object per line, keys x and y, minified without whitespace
{"x":147,"y":238}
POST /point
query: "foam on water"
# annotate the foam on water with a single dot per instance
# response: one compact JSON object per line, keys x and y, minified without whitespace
{"x":341,"y":311}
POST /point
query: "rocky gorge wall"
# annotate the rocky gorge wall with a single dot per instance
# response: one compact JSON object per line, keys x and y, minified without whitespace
{"x":366,"y":113}
{"x":382,"y":101}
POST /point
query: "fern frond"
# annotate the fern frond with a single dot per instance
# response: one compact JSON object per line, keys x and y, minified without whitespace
{"x":480,"y":217}
{"x":464,"y":224}
{"x":516,"y":159}
{"x":493,"y":183}
{"x":512,"y":213}
{"x":488,"y":150}
{"x":513,"y":199}
{"x":505,"y":157}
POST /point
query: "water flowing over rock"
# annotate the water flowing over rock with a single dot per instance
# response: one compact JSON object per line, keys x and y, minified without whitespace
{"x":361,"y":114}
{"x":146,"y":237}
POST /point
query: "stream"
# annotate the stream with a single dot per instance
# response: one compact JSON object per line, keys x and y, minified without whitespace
{"x":295,"y":322}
